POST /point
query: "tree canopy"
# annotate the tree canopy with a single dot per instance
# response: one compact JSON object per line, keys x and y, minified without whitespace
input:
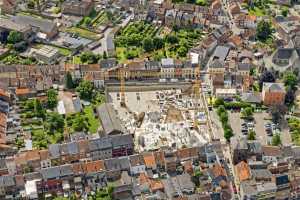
{"x":264,"y":30}
{"x":85,"y":90}
{"x":14,"y":37}
{"x":247,"y":112}
{"x":276,"y":140}
{"x":89,"y":57}
{"x":290,"y":79}
{"x":52,"y":98}
{"x":55,"y":122}
{"x":69,"y":81}
{"x":266,"y":76}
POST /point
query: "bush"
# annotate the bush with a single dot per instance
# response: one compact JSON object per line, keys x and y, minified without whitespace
{"x":236,"y":105}
{"x":223,"y":115}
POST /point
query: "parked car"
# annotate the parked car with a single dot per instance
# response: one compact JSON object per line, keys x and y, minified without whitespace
{"x":250,"y":124}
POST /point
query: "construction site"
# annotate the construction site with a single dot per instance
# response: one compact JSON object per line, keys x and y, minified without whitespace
{"x":162,"y":115}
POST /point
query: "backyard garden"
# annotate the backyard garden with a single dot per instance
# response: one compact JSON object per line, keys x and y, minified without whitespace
{"x":97,"y":19}
{"x":141,"y":39}
{"x":46,"y":126}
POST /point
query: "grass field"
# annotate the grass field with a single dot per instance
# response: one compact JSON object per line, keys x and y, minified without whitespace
{"x":93,"y":122}
{"x":257,"y":12}
{"x":84,"y":33}
{"x":120,"y":51}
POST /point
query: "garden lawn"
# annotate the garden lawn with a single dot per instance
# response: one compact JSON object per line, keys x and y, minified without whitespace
{"x":120,"y":51}
{"x":84,"y":33}
{"x":64,"y":51}
{"x":257,"y":12}
{"x":93,"y":122}
{"x":76,"y":60}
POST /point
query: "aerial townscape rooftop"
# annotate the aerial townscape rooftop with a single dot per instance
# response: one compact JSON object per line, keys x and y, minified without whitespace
{"x":150,"y":100}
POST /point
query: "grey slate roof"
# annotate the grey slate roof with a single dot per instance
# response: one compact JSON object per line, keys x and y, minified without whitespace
{"x":266,"y":187}
{"x":109,"y":120}
{"x":50,"y":173}
{"x":44,"y":25}
{"x":100,"y":144}
{"x":261,"y":173}
{"x":221,"y":52}
{"x":251,"y":97}
{"x":66,"y":170}
{"x":121,"y":163}
{"x":121,"y":140}
{"x":54,"y":150}
{"x":7,"y":181}
{"x":273,"y":87}
{"x":217,"y":64}
{"x":3,"y":164}
{"x":73,"y":148}
{"x":254,"y":147}
{"x":152,"y":64}
{"x":284,"y":53}
{"x":167,"y":62}
{"x":108,"y":63}
{"x":244,"y":66}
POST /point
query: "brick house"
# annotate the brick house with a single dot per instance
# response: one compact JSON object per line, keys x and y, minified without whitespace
{"x":81,"y":8}
{"x":273,"y":94}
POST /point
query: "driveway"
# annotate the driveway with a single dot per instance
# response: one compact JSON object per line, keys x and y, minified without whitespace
{"x":260,"y":121}
{"x":217,"y":128}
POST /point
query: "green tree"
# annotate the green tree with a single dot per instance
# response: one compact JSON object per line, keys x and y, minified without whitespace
{"x":89,"y":57}
{"x":224,"y":117}
{"x":285,"y":11}
{"x":276,"y":140}
{"x":19,"y":142}
{"x":30,"y":4}
{"x":277,"y":113}
{"x":264,"y":30}
{"x":289,"y":97}
{"x":104,"y":55}
{"x":247,"y":112}
{"x":69,"y":81}
{"x":182,"y":51}
{"x":55,"y":122}
{"x":103,"y":194}
{"x":252,"y":135}
{"x":172,"y":39}
{"x":87,"y":21}
{"x":52,"y":98}
{"x":266,"y":76}
{"x":218,"y":102}
{"x":221,"y":109}
{"x":80,"y":123}
{"x":148,"y":44}
{"x":228,"y":134}
{"x":195,"y":178}
{"x":85,"y":90}
{"x":14,"y":37}
{"x":158,"y":43}
{"x":38,"y":109}
{"x":290,"y":79}
{"x":131,"y":53}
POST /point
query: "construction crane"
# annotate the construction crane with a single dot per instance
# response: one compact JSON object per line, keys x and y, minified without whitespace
{"x":199,"y":97}
{"x":121,"y":76}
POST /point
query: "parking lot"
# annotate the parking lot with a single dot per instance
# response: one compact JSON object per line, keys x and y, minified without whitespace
{"x":260,"y":119}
